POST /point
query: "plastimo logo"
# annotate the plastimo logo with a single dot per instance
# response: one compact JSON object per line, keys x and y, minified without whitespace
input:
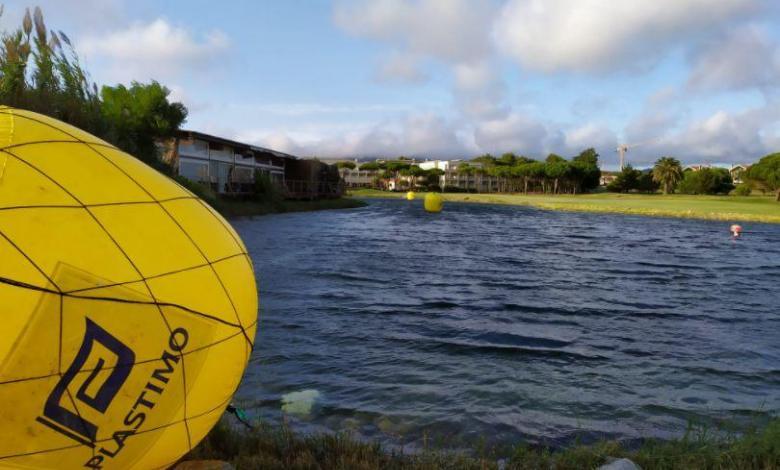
{"x":96,"y":396}
{"x":98,"y":391}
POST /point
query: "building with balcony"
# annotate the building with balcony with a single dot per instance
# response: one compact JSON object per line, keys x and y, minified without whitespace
{"x":357,"y":178}
{"x":454,"y":178}
{"x":227,"y":166}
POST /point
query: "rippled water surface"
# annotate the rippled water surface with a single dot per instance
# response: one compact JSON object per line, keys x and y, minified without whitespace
{"x":511,"y":323}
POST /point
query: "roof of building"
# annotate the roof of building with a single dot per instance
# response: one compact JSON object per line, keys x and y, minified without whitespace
{"x":240,"y":145}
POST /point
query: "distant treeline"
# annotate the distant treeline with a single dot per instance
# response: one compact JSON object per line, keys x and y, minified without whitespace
{"x":668,"y":175}
{"x":512,"y":173}
{"x":40,"y":71}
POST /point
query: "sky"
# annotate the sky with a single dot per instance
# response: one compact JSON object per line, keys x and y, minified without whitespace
{"x":695,"y":79}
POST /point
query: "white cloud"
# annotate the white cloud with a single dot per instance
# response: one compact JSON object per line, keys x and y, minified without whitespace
{"x":597,"y":36}
{"x":721,"y":137}
{"x":420,"y":135}
{"x":589,"y":135}
{"x":401,"y":68}
{"x":745,"y":57}
{"x":479,"y":92}
{"x":515,"y":133}
{"x":451,"y":30}
{"x":152,"y":50}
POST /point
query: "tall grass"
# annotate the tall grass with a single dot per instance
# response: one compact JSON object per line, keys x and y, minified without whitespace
{"x":278,"y":447}
{"x":40,"y":71}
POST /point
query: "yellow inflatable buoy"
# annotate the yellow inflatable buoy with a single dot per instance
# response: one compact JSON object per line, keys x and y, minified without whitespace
{"x":434,"y":202}
{"x":129,"y":306}
{"x":410,"y":196}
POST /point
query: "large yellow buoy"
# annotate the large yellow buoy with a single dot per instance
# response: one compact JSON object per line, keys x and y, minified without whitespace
{"x":410,"y":196}
{"x":129,"y":306}
{"x":434,"y":202}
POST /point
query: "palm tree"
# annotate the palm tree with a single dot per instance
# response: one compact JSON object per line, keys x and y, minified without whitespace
{"x":667,"y":172}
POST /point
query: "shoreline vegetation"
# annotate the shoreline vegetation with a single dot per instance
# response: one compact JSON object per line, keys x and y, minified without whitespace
{"x":278,"y":446}
{"x":725,"y":208}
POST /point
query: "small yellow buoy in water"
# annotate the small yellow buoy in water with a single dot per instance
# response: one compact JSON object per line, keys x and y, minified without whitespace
{"x":410,"y":196}
{"x":433,"y":202}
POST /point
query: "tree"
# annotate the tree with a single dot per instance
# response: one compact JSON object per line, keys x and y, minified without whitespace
{"x":627,"y":180}
{"x":706,"y":181}
{"x":552,"y":158}
{"x":139,"y":116}
{"x":766,"y":174}
{"x":587,"y":165}
{"x":508,"y":159}
{"x":667,"y":172}
{"x":645,"y":182}
{"x":556,"y":170}
{"x":348,"y":165}
{"x":370,"y":166}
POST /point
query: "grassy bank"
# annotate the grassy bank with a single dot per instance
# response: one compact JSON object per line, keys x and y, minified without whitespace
{"x":279,"y":447}
{"x":230,"y":208}
{"x":726,"y":208}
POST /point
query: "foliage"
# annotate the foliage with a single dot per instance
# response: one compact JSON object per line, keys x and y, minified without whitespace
{"x":40,"y":71}
{"x":555,"y":174}
{"x":139,"y":116}
{"x":706,"y":181}
{"x":587,"y":164}
{"x":348,"y":165}
{"x":625,"y":181}
{"x":370,"y":166}
{"x":667,"y":172}
{"x":265,"y":189}
{"x":646,"y":184}
{"x":766,"y":174}
{"x":269,"y":446}
{"x":742,"y":190}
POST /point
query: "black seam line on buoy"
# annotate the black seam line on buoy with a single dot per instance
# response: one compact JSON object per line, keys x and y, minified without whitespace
{"x":221,"y":221}
{"x":100,"y":204}
{"x":119,"y":247}
{"x":29,"y":260}
{"x":110,"y":439}
{"x":121,"y":250}
{"x":144,"y":361}
{"x":55,"y":141}
{"x":156,"y":276}
{"x":105,"y":145}
{"x":12,"y":282}
{"x":173,"y":219}
{"x":127,"y":257}
{"x":213,"y":270}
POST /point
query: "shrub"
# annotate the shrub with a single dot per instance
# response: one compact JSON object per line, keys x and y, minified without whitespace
{"x":742,"y":190}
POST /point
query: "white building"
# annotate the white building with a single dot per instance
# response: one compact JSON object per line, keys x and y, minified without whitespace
{"x":474,"y":180}
{"x":357,"y":178}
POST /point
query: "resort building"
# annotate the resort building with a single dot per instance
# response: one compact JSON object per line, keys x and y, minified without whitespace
{"x":229,"y":167}
{"x":737,"y":171}
{"x":455,"y":178}
{"x":357,"y":178}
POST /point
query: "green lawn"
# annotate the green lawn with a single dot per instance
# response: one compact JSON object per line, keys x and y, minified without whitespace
{"x":727,"y":208}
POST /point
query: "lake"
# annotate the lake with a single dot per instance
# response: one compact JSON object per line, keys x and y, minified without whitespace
{"x":510,"y":323}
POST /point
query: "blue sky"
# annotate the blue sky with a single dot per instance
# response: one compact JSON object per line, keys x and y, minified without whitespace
{"x":696,"y":79}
